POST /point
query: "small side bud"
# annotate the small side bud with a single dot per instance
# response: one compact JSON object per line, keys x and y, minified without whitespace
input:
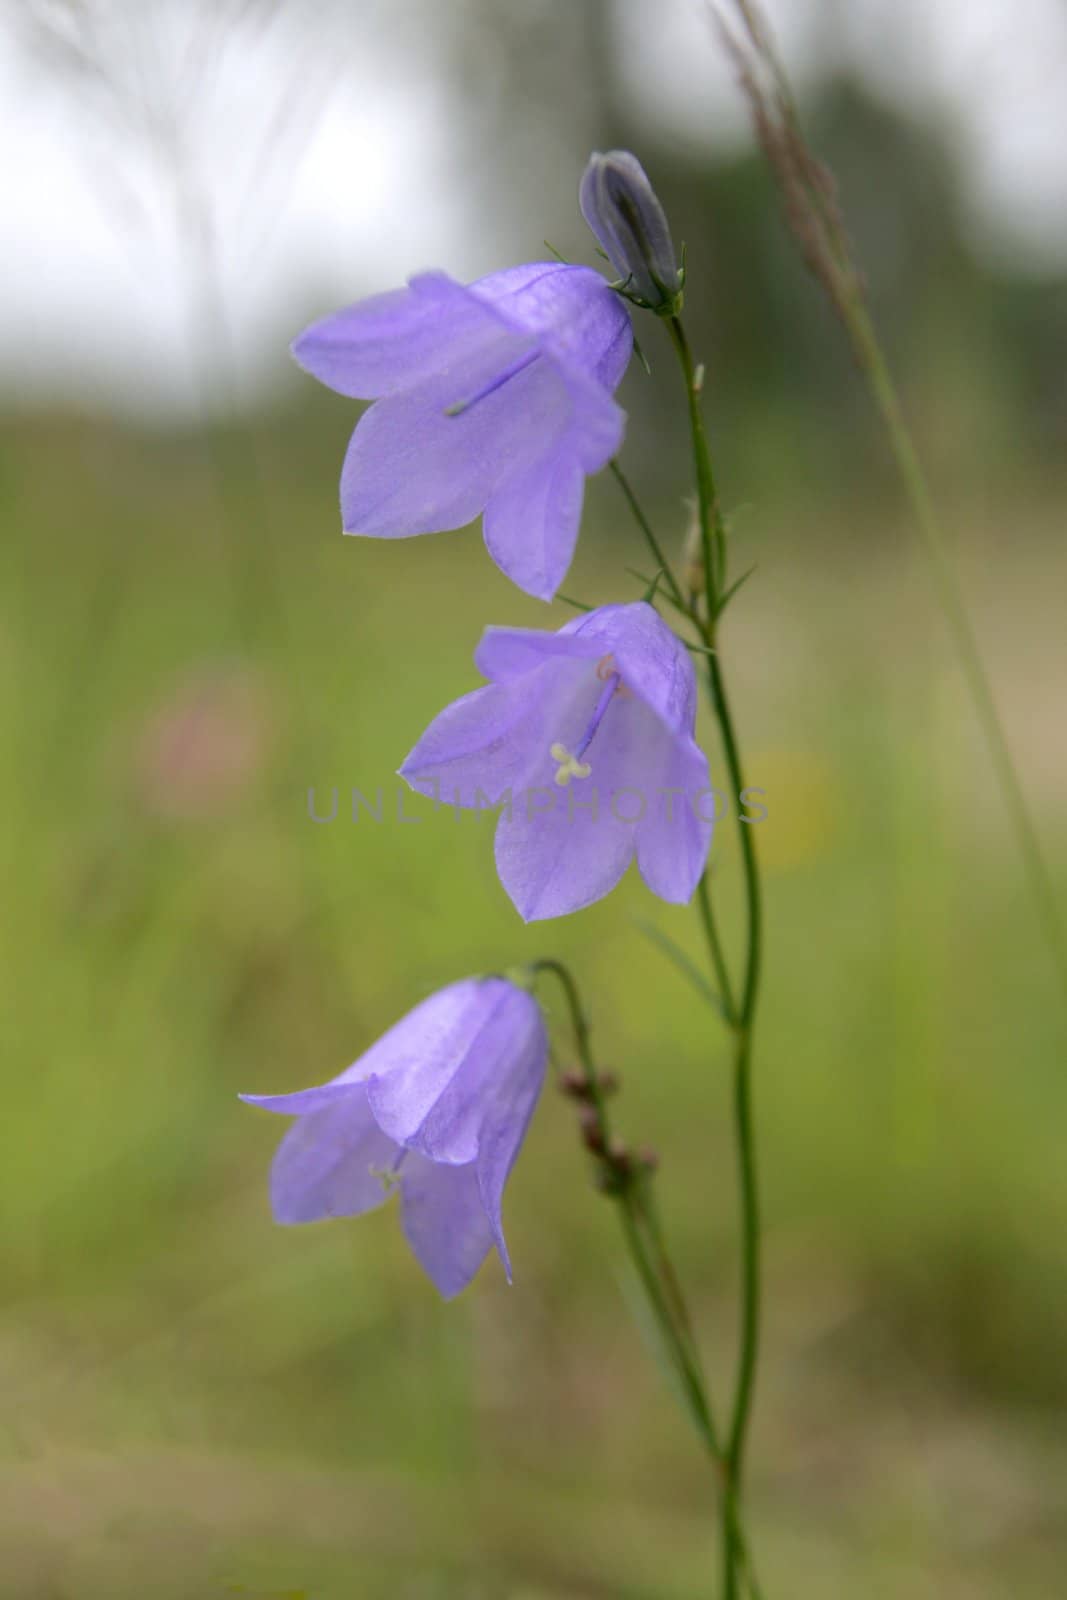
{"x":592,"y":1132}
{"x":576,"y":1085}
{"x":620,"y":1157}
{"x":621,"y":207}
{"x":616,"y":1170}
{"x":693,"y":554}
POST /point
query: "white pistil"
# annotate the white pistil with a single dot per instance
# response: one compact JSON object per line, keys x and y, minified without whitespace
{"x":568,"y":765}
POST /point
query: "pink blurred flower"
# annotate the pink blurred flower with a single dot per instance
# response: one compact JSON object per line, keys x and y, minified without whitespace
{"x":203,"y":744}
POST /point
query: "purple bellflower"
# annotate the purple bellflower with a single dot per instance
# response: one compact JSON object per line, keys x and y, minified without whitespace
{"x":437,"y":1108}
{"x":494,"y":397}
{"x":585,"y":738}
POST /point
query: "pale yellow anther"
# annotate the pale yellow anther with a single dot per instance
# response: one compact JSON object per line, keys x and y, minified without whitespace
{"x":569,"y":766}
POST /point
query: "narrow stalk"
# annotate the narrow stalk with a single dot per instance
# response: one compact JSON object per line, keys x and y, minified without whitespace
{"x":712,"y":530}
{"x":742,"y":1014}
{"x":707,"y":915}
{"x":645,"y":1240}
{"x":743,"y":1017}
{"x":663,"y":1292}
{"x":875,"y":369}
{"x":715,"y":951}
{"x":813,"y":215}
{"x":743,"y":1093}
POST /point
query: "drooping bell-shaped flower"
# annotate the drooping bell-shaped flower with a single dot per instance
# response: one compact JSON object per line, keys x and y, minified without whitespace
{"x":623,"y":210}
{"x":438,"y":1109}
{"x":494,"y":397}
{"x":584,"y":738}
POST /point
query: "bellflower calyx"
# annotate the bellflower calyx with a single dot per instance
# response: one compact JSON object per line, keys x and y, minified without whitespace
{"x":494,"y":398}
{"x":622,"y":208}
{"x":437,"y":1109}
{"x":584,"y":738}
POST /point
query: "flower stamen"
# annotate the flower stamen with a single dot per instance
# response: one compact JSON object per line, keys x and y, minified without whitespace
{"x":389,"y":1177}
{"x":570,"y":764}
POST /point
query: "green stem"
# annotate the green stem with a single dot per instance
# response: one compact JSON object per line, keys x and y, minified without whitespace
{"x":744,"y":1134}
{"x":704,"y":887}
{"x":876,"y":371}
{"x":743,"y":1118}
{"x":715,"y":950}
{"x":712,"y":530}
{"x":742,"y":1014}
{"x":663,"y":1292}
{"x":643,"y":1235}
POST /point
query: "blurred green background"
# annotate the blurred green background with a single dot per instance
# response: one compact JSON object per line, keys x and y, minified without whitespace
{"x":197,"y":1403}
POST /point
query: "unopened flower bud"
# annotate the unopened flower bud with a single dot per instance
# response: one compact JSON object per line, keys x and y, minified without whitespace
{"x":621,"y":207}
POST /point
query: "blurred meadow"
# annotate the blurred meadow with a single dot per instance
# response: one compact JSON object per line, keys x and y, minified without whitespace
{"x":197,"y":1403}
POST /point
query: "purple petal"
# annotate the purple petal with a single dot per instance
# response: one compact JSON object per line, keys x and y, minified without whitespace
{"x":559,"y":859}
{"x":391,"y":341}
{"x":303,"y":1101}
{"x":566,"y":847}
{"x":464,"y":1079}
{"x":653,"y":662}
{"x":508,"y":654}
{"x":427,"y":1025}
{"x":412,"y":467}
{"x":586,"y":322}
{"x":508,"y":1108}
{"x":674,"y":837}
{"x":531,"y":523}
{"x":491,"y":744}
{"x":444,"y":1222}
{"x":330,"y":1162}
{"x":416,"y":1058}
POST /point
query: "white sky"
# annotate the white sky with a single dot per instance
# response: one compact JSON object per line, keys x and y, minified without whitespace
{"x":265,"y":126}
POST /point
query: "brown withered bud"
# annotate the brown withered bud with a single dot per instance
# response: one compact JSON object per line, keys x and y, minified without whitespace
{"x":608,"y":1180}
{"x":620,"y":1157}
{"x":576,"y":1085}
{"x":592,"y":1132}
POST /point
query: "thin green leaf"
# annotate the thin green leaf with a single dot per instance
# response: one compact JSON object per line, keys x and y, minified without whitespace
{"x":732,"y":590}
{"x":635,"y":1295}
{"x":682,"y":962}
{"x":650,"y":592}
{"x":579,"y":605}
{"x":644,"y":578}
